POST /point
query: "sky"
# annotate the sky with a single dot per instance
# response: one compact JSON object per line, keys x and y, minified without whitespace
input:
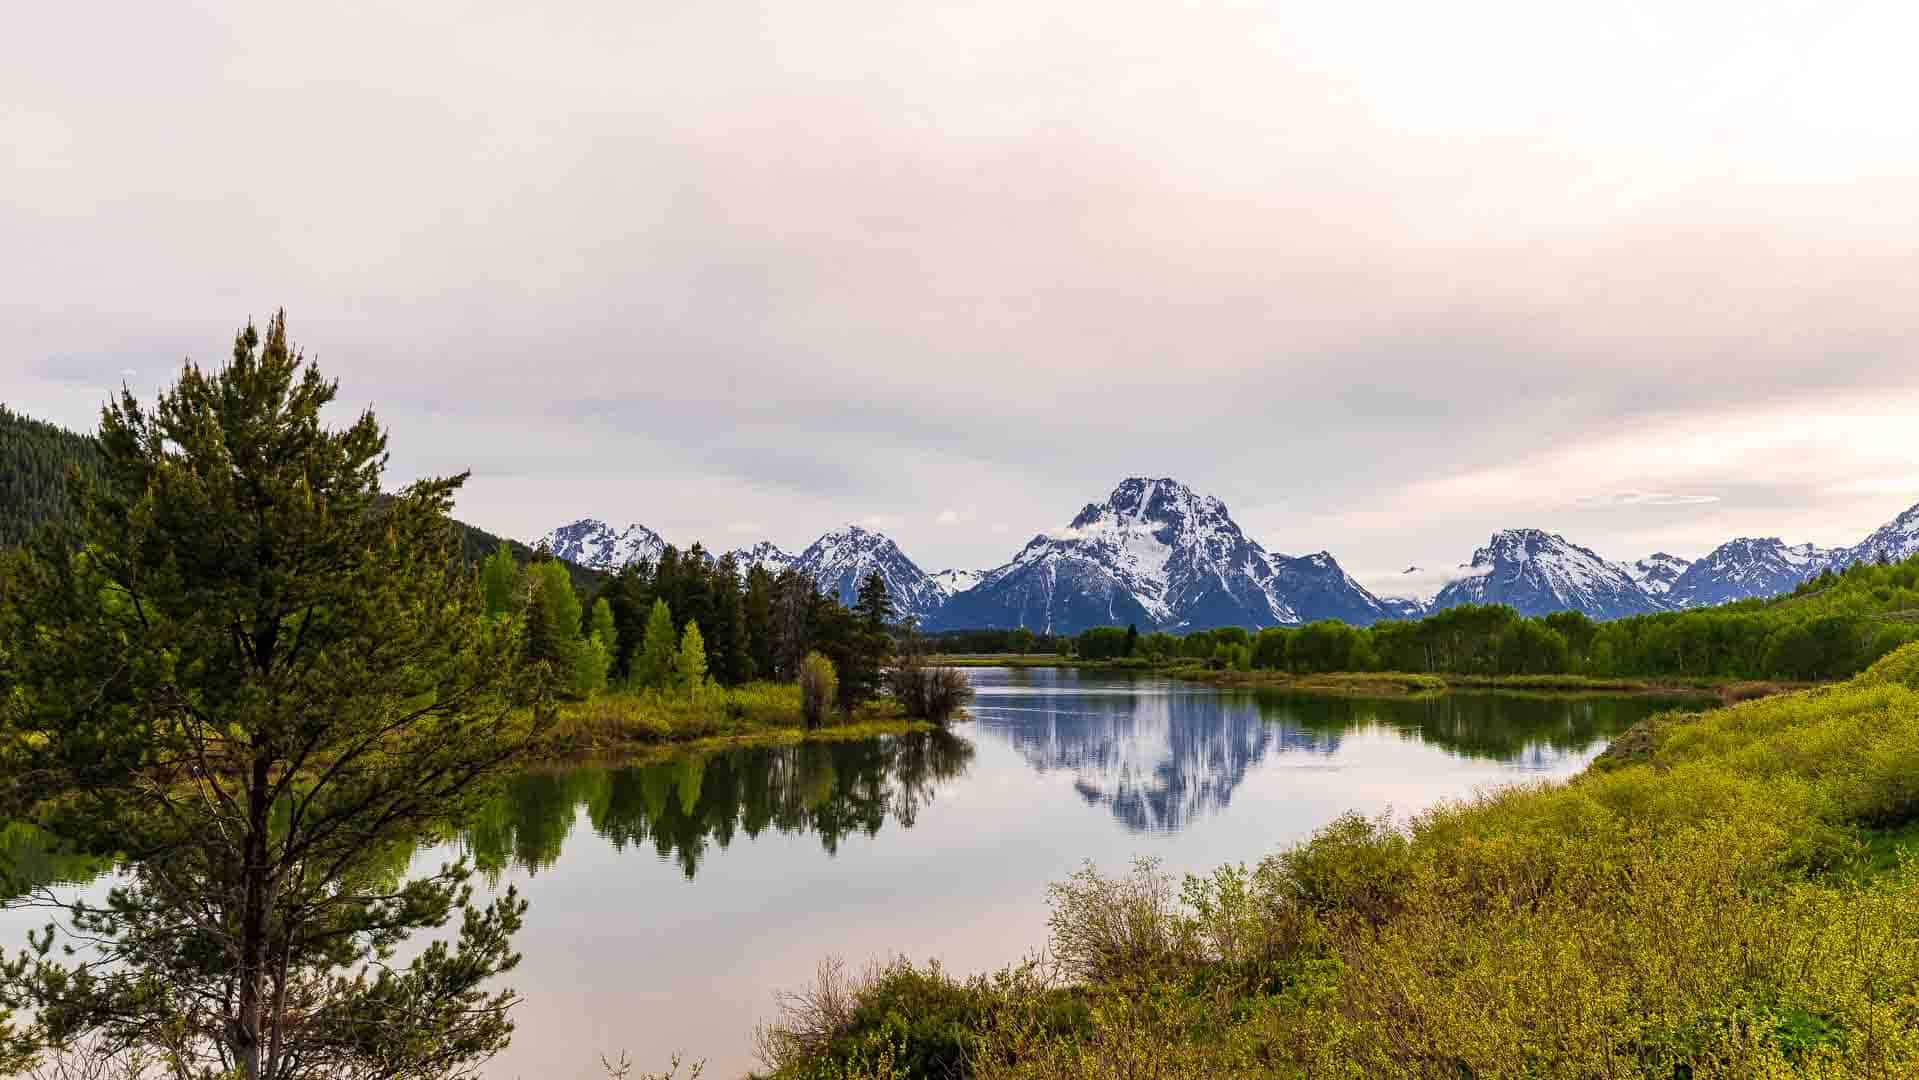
{"x":1384,"y":277}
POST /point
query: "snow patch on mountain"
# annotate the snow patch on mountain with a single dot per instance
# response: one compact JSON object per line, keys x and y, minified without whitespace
{"x":1745,"y":568}
{"x":841,"y":559}
{"x":594,"y":544}
{"x":1656,"y":572}
{"x":952,"y":582}
{"x":765,"y":554}
{"x":1894,"y":541}
{"x":1537,"y":572}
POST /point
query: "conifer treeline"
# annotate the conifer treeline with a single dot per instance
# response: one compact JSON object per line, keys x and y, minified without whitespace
{"x":34,"y":459}
{"x":652,"y":624}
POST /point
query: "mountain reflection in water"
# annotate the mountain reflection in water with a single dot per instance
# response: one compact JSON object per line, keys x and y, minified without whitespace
{"x":1159,"y":755}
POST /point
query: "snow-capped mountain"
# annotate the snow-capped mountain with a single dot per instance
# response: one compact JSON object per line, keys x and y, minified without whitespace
{"x":764,"y":554}
{"x":1745,"y":568}
{"x":1538,"y":572}
{"x":1157,"y":555}
{"x":954,"y":582}
{"x":1894,"y":541}
{"x":596,"y":545}
{"x":1656,"y":572}
{"x":841,"y":559}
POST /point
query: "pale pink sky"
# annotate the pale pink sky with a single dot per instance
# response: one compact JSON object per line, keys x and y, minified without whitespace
{"x":1383,"y":276}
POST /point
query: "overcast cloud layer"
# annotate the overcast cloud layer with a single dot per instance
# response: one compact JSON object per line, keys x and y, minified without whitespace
{"x":1383,"y":276}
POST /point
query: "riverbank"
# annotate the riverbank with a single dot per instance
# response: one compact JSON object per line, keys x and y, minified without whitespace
{"x":712,"y":717}
{"x":1377,"y":683}
{"x":1732,"y":894}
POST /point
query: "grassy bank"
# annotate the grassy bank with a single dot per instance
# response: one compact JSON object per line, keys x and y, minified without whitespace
{"x":716,"y":715}
{"x":1729,"y":894}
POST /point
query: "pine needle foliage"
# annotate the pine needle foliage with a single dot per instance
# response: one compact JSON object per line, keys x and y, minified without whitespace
{"x":258,"y":681}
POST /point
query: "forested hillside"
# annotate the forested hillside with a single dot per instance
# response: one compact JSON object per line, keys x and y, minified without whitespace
{"x":35,"y":457}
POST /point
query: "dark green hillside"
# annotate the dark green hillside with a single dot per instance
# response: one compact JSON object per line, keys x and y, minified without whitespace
{"x":35,"y":457}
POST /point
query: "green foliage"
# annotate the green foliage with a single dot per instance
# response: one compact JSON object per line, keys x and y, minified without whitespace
{"x":819,"y":688}
{"x":601,"y":626}
{"x":500,"y":582}
{"x":1830,"y":628}
{"x":259,"y":680}
{"x":689,"y":664}
{"x":35,"y":459}
{"x":1732,"y":902}
{"x":658,"y":651}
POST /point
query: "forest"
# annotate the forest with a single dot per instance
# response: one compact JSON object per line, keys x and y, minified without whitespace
{"x":1829,"y":627}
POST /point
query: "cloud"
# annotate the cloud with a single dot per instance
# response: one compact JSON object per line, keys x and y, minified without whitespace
{"x":748,"y":528}
{"x":1648,"y":498}
{"x":881,"y":522}
{"x":951,"y":517}
{"x":1348,"y":282}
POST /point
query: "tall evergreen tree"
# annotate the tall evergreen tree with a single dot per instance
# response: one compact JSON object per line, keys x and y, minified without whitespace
{"x":256,"y":680}
{"x":689,"y":664}
{"x":729,"y":649}
{"x":500,"y":581}
{"x":654,"y":667}
{"x":758,"y":618}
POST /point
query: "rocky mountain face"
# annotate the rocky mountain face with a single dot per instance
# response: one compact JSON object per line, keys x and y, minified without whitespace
{"x":594,"y":544}
{"x":1157,"y":555}
{"x":764,"y":554}
{"x":1894,"y":541}
{"x":1745,"y":568}
{"x":1656,"y":572}
{"x":841,"y":559}
{"x":1538,"y":572}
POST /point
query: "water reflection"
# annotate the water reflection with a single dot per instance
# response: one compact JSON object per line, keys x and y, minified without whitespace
{"x":689,"y":804}
{"x":1160,"y":755}
{"x":1157,"y":755}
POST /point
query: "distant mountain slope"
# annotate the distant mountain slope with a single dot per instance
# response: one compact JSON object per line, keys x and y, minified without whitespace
{"x":841,"y":559}
{"x":34,"y":456}
{"x":765,"y":554}
{"x":1744,"y":569}
{"x":1537,"y":573}
{"x":594,"y":544}
{"x":1656,"y":572}
{"x":1161,"y":556}
{"x":34,"y":459}
{"x":1894,"y":541}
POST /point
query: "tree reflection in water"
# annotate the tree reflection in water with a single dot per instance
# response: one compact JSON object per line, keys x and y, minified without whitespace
{"x":686,"y":803}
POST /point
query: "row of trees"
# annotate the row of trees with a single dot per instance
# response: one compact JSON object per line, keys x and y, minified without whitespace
{"x":1832,"y":626}
{"x":686,"y":618}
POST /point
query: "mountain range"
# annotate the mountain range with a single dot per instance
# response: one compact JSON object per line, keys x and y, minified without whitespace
{"x":1158,"y":555}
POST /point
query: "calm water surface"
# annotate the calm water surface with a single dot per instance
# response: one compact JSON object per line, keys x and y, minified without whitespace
{"x":669,"y":901}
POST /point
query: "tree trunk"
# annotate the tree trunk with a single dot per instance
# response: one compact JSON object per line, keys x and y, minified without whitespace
{"x":253,"y":925}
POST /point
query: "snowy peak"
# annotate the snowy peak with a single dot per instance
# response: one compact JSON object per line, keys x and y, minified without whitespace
{"x":1894,"y":541}
{"x":1158,"y":555}
{"x":594,"y":544}
{"x":841,"y":559}
{"x":1656,"y":572}
{"x":1538,"y":572}
{"x":954,"y":582}
{"x":766,"y":554}
{"x":1746,"y":568}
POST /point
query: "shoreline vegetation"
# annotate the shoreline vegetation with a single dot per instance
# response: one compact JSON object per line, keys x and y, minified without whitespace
{"x":715,"y":716}
{"x":1396,"y":683}
{"x":1731,"y":893}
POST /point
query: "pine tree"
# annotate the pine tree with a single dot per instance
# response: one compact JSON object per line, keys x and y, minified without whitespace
{"x":500,"y":581}
{"x":654,"y":668}
{"x":601,"y":627}
{"x":731,"y":659}
{"x":689,"y":666}
{"x":758,"y":618}
{"x":254,"y":679}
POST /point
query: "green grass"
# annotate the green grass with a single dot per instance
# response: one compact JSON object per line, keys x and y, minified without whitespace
{"x":1729,"y":894}
{"x":760,"y":711}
